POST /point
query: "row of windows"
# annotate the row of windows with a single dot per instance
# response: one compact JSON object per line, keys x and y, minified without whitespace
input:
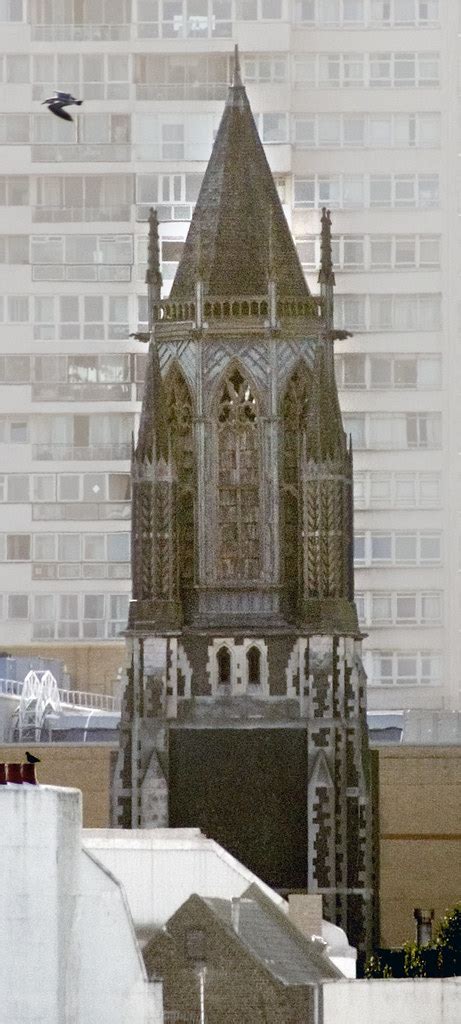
{"x":381,"y":608}
{"x":355,"y":70}
{"x":62,"y":196}
{"x":106,"y":368}
{"x":23,"y":129}
{"x":360,"y":371}
{"x":369,"y":131}
{"x":109,"y":19}
{"x":73,"y":487}
{"x":401,"y":490}
{"x":375,"y":13}
{"x":371,"y":490}
{"x":350,"y":252}
{"x":363,"y":191}
{"x":368,"y":430}
{"x":388,"y":312}
{"x":66,"y":616}
{"x":65,"y":547}
{"x":392,"y":431}
{"x":381,"y":548}
{"x":374,"y":252}
{"x":206,"y":76}
{"x":69,"y":317}
{"x":68,"y":430}
{"x":403,"y":668}
{"x":166,"y":137}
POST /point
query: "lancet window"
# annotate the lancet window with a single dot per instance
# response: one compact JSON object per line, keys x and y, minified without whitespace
{"x":239,"y":525}
{"x":254,"y":666}
{"x":294,"y":409}
{"x":180,"y":424}
{"x":224,"y":666}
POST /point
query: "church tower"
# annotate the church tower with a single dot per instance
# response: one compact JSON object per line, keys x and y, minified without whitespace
{"x":244,"y":711}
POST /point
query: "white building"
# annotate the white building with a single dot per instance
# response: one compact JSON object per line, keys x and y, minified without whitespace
{"x":357,"y":103}
{"x":146,"y":861}
{"x":68,"y":949}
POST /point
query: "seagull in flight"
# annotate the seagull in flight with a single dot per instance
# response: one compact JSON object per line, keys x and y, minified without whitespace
{"x":58,"y":101}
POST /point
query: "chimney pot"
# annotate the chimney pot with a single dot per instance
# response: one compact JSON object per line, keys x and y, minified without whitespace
{"x":14,"y":773}
{"x":28,"y":774}
{"x":424,"y":919}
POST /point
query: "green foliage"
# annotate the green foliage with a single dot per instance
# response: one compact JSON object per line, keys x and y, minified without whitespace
{"x":414,"y":964}
{"x":440,"y":959}
{"x":374,"y":968}
{"x":448,"y":943}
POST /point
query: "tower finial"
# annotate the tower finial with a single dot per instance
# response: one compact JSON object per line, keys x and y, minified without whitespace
{"x":237,"y":76}
{"x":153,"y":250}
{"x":326,"y":275}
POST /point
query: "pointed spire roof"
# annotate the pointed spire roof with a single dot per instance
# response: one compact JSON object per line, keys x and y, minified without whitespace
{"x":153,"y":431}
{"x":153,"y":275}
{"x":238,"y":227}
{"x":326,"y":274}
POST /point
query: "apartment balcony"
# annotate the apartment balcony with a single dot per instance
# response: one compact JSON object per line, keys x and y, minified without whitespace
{"x":81,"y":570}
{"x":81,"y":392}
{"x":81,"y":511}
{"x":78,"y":33}
{"x":79,"y":453}
{"x":108,"y":152}
{"x":190,"y":91}
{"x":80,"y":214}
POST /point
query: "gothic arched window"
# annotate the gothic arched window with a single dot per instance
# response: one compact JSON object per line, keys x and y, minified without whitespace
{"x":239,"y":526}
{"x":181,"y":432}
{"x":223,"y":659}
{"x":254,"y":666}
{"x":294,"y":408}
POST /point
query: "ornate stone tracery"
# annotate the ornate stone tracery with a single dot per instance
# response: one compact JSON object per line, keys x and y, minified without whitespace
{"x":238,"y":502}
{"x":179,"y":412}
{"x":294,"y":411}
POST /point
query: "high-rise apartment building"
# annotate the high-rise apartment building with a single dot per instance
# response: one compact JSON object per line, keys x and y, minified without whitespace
{"x":357,"y":106}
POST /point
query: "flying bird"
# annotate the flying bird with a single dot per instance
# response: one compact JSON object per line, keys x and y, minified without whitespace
{"x":31,"y":759}
{"x":58,"y":101}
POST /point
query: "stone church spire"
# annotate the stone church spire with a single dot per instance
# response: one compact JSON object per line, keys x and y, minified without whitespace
{"x":252,"y":724}
{"x":237,"y":201}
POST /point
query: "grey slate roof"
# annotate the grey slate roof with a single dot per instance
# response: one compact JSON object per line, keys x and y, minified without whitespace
{"x":238,"y":227}
{"x":274,"y":941}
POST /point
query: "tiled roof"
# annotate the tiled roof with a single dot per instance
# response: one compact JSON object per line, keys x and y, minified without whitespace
{"x":238,"y":228}
{"x":274,"y":941}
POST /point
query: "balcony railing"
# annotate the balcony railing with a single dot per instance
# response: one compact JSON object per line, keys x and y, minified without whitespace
{"x":75,"y":33}
{"x":77,"y":629}
{"x":182,"y":91}
{"x":87,"y":453}
{"x":81,"y":510}
{"x":75,"y":698}
{"x":81,"y":392}
{"x":76,"y":214}
{"x":102,"y":152}
{"x":81,"y":570}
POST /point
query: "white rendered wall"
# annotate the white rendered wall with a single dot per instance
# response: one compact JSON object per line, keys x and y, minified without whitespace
{"x":68,"y":951}
{"x":161,"y":868}
{"x":393,"y":1001}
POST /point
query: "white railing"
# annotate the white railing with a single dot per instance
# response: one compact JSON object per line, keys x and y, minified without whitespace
{"x":11,"y":687}
{"x":95,"y":701}
{"x":73,"y":698}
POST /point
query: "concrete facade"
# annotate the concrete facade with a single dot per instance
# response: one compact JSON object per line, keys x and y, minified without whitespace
{"x":68,"y":949}
{"x":358,"y":109}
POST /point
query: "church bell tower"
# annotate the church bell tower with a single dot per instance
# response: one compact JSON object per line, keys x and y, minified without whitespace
{"x":244,"y":711}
